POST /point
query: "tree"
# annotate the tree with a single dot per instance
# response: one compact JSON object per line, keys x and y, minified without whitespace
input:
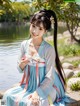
{"x":4,"y":6}
{"x":20,"y":10}
{"x":70,"y":13}
{"x":14,"y":11}
{"x":67,"y":12}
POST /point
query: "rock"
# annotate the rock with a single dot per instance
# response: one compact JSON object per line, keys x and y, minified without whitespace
{"x":78,"y":33}
{"x":73,"y":81}
{"x":78,"y":29}
{"x":49,"y":38}
{"x":76,"y":72}
{"x":1,"y":94}
{"x":60,"y":36}
{"x":68,"y":73}
{"x":61,"y":58}
{"x":0,"y":102}
{"x":67,"y":65}
{"x":79,"y":66}
{"x":66,"y":34}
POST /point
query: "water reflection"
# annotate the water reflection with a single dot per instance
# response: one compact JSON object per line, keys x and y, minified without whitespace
{"x":10,"y":40}
{"x":14,"y":33}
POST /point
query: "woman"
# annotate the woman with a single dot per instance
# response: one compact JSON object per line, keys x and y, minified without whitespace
{"x":43,"y":83}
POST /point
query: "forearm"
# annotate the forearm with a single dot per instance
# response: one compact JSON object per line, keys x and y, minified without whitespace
{"x":22,"y":65}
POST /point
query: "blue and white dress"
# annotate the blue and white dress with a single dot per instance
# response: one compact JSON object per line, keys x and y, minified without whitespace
{"x":40,"y":76}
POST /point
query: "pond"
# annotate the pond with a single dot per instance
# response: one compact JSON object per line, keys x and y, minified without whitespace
{"x":10,"y":40}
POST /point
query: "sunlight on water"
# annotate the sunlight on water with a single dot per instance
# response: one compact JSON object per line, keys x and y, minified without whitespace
{"x":9,"y":74}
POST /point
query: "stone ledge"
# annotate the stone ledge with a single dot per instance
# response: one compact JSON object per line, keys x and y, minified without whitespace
{"x":74,"y":96}
{"x":74,"y":104}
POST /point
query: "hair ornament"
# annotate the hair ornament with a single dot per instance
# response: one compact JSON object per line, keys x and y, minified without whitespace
{"x":52,"y":22}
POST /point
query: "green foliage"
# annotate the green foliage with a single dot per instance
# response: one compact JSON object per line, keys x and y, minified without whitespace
{"x":70,"y":14}
{"x":20,"y":10}
{"x":69,"y":50}
{"x":76,"y":86}
{"x":5,"y":5}
{"x":78,"y":75}
{"x":75,"y":63}
{"x":15,"y":11}
{"x":2,"y":12}
{"x":67,"y":12}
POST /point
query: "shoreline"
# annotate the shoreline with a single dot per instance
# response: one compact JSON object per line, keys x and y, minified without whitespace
{"x":9,"y":24}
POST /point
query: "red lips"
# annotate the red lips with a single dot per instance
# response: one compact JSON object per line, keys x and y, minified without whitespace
{"x":34,"y":34}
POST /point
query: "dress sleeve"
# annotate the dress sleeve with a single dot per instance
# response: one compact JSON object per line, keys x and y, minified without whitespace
{"x":44,"y":88}
{"x":22,"y":52}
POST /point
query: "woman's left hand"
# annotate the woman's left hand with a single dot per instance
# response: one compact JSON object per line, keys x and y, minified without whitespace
{"x":34,"y":98}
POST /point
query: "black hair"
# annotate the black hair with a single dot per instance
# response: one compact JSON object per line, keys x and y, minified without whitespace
{"x":41,"y":18}
{"x":44,"y":17}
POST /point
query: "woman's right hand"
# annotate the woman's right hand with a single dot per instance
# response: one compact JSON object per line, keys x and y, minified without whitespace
{"x":24,"y":61}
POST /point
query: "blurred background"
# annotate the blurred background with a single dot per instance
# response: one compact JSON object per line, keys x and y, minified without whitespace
{"x":14,"y":28}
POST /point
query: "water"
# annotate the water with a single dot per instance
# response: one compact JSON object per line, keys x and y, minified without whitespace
{"x":10,"y":40}
{"x":8,"y":65}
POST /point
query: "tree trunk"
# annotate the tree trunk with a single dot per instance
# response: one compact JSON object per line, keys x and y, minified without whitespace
{"x":71,"y":33}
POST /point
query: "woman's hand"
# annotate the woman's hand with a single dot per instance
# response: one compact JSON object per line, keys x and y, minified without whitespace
{"x":34,"y":99}
{"x":24,"y":61}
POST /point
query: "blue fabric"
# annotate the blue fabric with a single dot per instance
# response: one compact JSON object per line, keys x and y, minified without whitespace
{"x":10,"y":94}
{"x":32,"y":86}
{"x":16,"y":93}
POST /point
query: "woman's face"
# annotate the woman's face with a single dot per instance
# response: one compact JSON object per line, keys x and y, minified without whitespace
{"x":37,"y":31}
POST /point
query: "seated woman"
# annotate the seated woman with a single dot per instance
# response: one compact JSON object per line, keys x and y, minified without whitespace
{"x":43,"y":83}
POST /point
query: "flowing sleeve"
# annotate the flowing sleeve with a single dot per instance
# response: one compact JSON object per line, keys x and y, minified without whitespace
{"x":44,"y":88}
{"x":22,"y":52}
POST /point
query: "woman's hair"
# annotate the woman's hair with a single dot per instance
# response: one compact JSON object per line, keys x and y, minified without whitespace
{"x":44,"y":17}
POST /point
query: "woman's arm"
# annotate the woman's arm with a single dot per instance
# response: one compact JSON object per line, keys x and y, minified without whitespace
{"x":44,"y":87}
{"x":22,"y":60}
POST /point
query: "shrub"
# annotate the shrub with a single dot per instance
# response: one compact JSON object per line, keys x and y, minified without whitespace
{"x":75,"y":63}
{"x":75,"y":86}
{"x":78,"y":75}
{"x":67,"y":50}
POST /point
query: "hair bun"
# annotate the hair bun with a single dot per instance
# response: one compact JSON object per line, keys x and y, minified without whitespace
{"x":48,"y":15}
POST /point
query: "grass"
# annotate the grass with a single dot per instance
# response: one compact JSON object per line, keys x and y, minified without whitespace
{"x":76,"y":86}
{"x":68,"y":50}
{"x":75,"y":63}
{"x":78,"y":75}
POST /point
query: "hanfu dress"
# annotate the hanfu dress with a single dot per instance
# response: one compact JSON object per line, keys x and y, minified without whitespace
{"x":40,"y":76}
